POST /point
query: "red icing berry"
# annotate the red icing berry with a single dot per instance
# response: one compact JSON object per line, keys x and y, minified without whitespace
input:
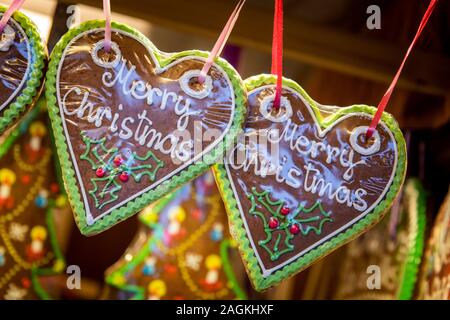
{"x":170,"y":268}
{"x":273,"y":223}
{"x":124,"y":176}
{"x":26,"y":179}
{"x":197,"y":214}
{"x":100,"y":172}
{"x":118,"y":161}
{"x":26,"y":283}
{"x":294,"y":229}
{"x":285,"y":211}
{"x":54,"y":188}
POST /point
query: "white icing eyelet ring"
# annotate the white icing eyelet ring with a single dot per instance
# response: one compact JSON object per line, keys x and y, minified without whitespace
{"x":102,"y":63}
{"x":361,"y":149}
{"x":198,"y":94}
{"x":7,"y":38}
{"x":265,"y":109}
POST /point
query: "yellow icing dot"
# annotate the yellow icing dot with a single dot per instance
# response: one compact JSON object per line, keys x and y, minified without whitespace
{"x":149,"y":215}
{"x":118,"y":280}
{"x":7,"y":176}
{"x":38,"y":233}
{"x":61,"y":201}
{"x":177,"y":214}
{"x":38,"y":129}
{"x":59,"y":265}
{"x":157,"y":288}
{"x":213,"y":261}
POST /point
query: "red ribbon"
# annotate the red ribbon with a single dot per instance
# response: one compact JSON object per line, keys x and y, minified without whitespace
{"x":384,"y":101}
{"x":277,"y":51}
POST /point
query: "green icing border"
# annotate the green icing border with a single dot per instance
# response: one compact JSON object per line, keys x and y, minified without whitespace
{"x":59,"y":263}
{"x":115,"y":277}
{"x":225,"y":245}
{"x":17,"y":131}
{"x":33,"y":84}
{"x":415,"y":255}
{"x":237,"y":227}
{"x":167,"y":186}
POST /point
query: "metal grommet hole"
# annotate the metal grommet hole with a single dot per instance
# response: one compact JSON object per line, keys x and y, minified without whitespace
{"x":359,"y":142}
{"x":191,"y":86}
{"x":7,"y":38}
{"x":103,"y":58}
{"x":281,"y":114}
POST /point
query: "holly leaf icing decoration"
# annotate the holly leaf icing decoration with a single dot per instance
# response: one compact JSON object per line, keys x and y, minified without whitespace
{"x":280,"y":226}
{"x":96,"y":153}
{"x":110,"y":167}
{"x":133,"y":124}
{"x":302,"y":180}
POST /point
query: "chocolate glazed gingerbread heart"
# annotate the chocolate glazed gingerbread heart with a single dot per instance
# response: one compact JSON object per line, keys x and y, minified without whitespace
{"x":303,"y":180}
{"x":22,"y":62}
{"x":133,"y":124}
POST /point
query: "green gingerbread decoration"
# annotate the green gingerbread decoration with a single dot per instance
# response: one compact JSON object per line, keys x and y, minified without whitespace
{"x":182,"y":250}
{"x":30,"y":199}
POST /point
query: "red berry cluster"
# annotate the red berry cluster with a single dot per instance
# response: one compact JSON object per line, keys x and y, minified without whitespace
{"x":118,"y":161}
{"x":274,"y":223}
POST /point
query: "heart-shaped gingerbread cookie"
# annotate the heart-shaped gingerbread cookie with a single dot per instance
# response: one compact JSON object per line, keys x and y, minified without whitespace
{"x":23,"y":58}
{"x":395,"y":245}
{"x":183,"y":245}
{"x":302,"y":179}
{"x":133,"y":124}
{"x":434,"y":280}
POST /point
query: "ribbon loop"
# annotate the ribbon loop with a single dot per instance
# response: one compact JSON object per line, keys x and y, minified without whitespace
{"x":387,"y":96}
{"x":221,"y":41}
{"x":15,"y":5}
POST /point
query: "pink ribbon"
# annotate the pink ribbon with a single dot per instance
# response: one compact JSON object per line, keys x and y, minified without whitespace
{"x":107,"y":13}
{"x":387,"y":96}
{"x":221,"y":41}
{"x":15,"y":5}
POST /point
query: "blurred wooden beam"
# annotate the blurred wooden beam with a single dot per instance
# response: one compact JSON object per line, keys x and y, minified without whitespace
{"x":59,"y":24}
{"x":311,"y":44}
